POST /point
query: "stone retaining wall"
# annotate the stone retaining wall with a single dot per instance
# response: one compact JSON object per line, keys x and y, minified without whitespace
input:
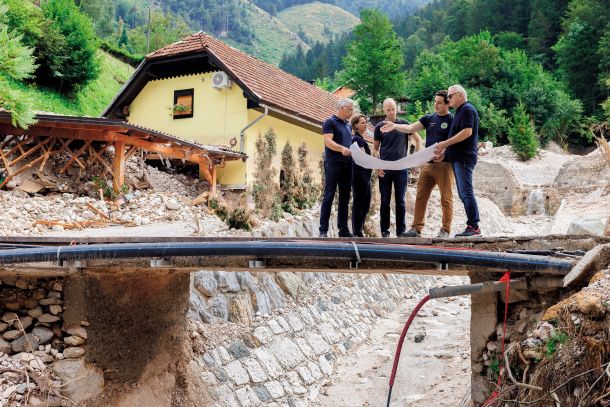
{"x":301,"y":326}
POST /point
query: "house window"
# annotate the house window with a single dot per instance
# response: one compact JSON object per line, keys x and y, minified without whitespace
{"x":183,"y":103}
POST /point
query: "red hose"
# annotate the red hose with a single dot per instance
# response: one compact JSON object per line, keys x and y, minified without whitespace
{"x":400,"y":342}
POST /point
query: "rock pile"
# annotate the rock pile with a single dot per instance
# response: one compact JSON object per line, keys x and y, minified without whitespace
{"x":36,"y":344}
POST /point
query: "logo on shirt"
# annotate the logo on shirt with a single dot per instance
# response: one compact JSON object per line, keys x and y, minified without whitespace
{"x":444,"y":126}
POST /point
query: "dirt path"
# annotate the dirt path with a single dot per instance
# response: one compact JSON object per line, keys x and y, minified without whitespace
{"x":434,"y":372}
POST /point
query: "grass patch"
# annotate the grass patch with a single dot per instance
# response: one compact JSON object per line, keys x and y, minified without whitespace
{"x":558,"y":339}
{"x":91,"y":100}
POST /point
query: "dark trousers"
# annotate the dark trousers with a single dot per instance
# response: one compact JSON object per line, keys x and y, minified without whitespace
{"x":399,"y":179}
{"x":463,"y":179}
{"x":336,"y":174}
{"x":361,"y":191}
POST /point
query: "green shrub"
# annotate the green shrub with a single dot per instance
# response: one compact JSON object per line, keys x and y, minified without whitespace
{"x":522,"y":136}
{"x":71,"y":62}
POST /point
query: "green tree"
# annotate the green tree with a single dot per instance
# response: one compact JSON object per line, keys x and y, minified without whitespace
{"x":522,"y":135}
{"x":544,"y":29}
{"x":585,"y":24}
{"x":74,"y":62}
{"x":16,"y":63}
{"x":374,"y":60}
{"x":164,"y":29}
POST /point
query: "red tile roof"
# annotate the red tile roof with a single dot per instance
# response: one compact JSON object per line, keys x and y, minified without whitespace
{"x":273,"y":86}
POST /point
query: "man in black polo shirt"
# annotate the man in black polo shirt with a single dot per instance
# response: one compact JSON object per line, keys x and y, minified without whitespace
{"x":461,"y":151}
{"x":392,"y":145}
{"x":436,"y":172}
{"x":337,"y":167}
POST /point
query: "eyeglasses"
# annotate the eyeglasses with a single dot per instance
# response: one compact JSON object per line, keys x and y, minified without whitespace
{"x":451,"y":95}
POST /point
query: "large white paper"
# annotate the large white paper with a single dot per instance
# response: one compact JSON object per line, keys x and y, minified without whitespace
{"x":368,"y":161}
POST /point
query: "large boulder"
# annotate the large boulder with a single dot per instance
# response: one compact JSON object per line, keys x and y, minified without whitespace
{"x":589,"y":226}
{"x":81,"y":381}
{"x":498,"y":183}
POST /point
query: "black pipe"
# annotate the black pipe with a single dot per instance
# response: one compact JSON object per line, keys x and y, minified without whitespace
{"x":302,"y":248}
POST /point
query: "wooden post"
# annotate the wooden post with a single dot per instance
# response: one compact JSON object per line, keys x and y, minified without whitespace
{"x":118,"y":174}
{"x":213,"y":186}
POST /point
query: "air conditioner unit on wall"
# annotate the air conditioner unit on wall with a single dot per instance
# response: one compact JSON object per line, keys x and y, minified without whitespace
{"x":221,"y":80}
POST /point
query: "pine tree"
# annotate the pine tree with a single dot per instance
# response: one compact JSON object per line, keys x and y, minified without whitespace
{"x":374,"y":60}
{"x":521,"y":134}
{"x":16,"y":62}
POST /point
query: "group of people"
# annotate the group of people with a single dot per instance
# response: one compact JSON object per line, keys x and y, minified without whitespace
{"x":455,"y":138}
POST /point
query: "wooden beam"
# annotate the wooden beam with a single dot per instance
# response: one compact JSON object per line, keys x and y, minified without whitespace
{"x":204,"y":173}
{"x":97,"y":155}
{"x":47,"y":154}
{"x":118,"y":175}
{"x":75,"y":157}
{"x":213,"y":184}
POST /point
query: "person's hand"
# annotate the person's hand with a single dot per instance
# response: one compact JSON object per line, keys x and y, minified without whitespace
{"x":380,"y":173}
{"x":439,"y":158}
{"x":387,"y":127}
{"x":346,"y":152}
{"x":440,"y":148}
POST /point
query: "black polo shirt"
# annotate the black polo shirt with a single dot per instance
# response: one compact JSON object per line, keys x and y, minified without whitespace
{"x":466,"y":116}
{"x":342,"y":134}
{"x":358,"y":139}
{"x":394,"y":144}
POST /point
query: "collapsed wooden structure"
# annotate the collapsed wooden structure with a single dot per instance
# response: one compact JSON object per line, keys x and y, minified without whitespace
{"x":86,"y":139}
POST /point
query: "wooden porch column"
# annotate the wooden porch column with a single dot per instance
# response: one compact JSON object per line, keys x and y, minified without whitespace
{"x":213,"y":185}
{"x":118,"y":174}
{"x":208,"y":173}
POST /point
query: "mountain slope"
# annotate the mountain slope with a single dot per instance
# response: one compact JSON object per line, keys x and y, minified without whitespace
{"x":319,"y":22}
{"x":272,"y":37}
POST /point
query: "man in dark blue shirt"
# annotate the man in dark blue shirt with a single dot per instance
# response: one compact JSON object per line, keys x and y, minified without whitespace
{"x":461,"y":150}
{"x":436,"y":172}
{"x":337,"y":167}
{"x":392,"y":145}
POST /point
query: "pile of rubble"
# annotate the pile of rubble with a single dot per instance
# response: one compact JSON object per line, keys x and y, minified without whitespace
{"x":39,"y":353}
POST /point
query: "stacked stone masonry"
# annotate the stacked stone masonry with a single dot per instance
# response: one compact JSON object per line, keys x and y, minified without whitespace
{"x":298,"y":332}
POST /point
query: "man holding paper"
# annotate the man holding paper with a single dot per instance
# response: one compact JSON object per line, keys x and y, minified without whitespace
{"x":462,"y":152}
{"x":391,"y":146}
{"x":337,"y":167}
{"x":436,"y":172}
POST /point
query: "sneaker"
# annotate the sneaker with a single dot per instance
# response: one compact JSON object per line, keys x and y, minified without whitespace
{"x":345,"y":234}
{"x":443,"y":234}
{"x":411,"y":233}
{"x":385,"y":234}
{"x":323,"y":234}
{"x":470,"y":232}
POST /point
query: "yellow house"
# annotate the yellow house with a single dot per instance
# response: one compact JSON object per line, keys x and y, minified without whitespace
{"x":203,"y":90}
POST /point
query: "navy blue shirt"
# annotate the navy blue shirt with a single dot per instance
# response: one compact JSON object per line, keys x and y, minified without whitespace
{"x":466,"y":116}
{"x":342,"y":135}
{"x":357,"y":138}
{"x":437,"y":128}
{"x":394,"y":144}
